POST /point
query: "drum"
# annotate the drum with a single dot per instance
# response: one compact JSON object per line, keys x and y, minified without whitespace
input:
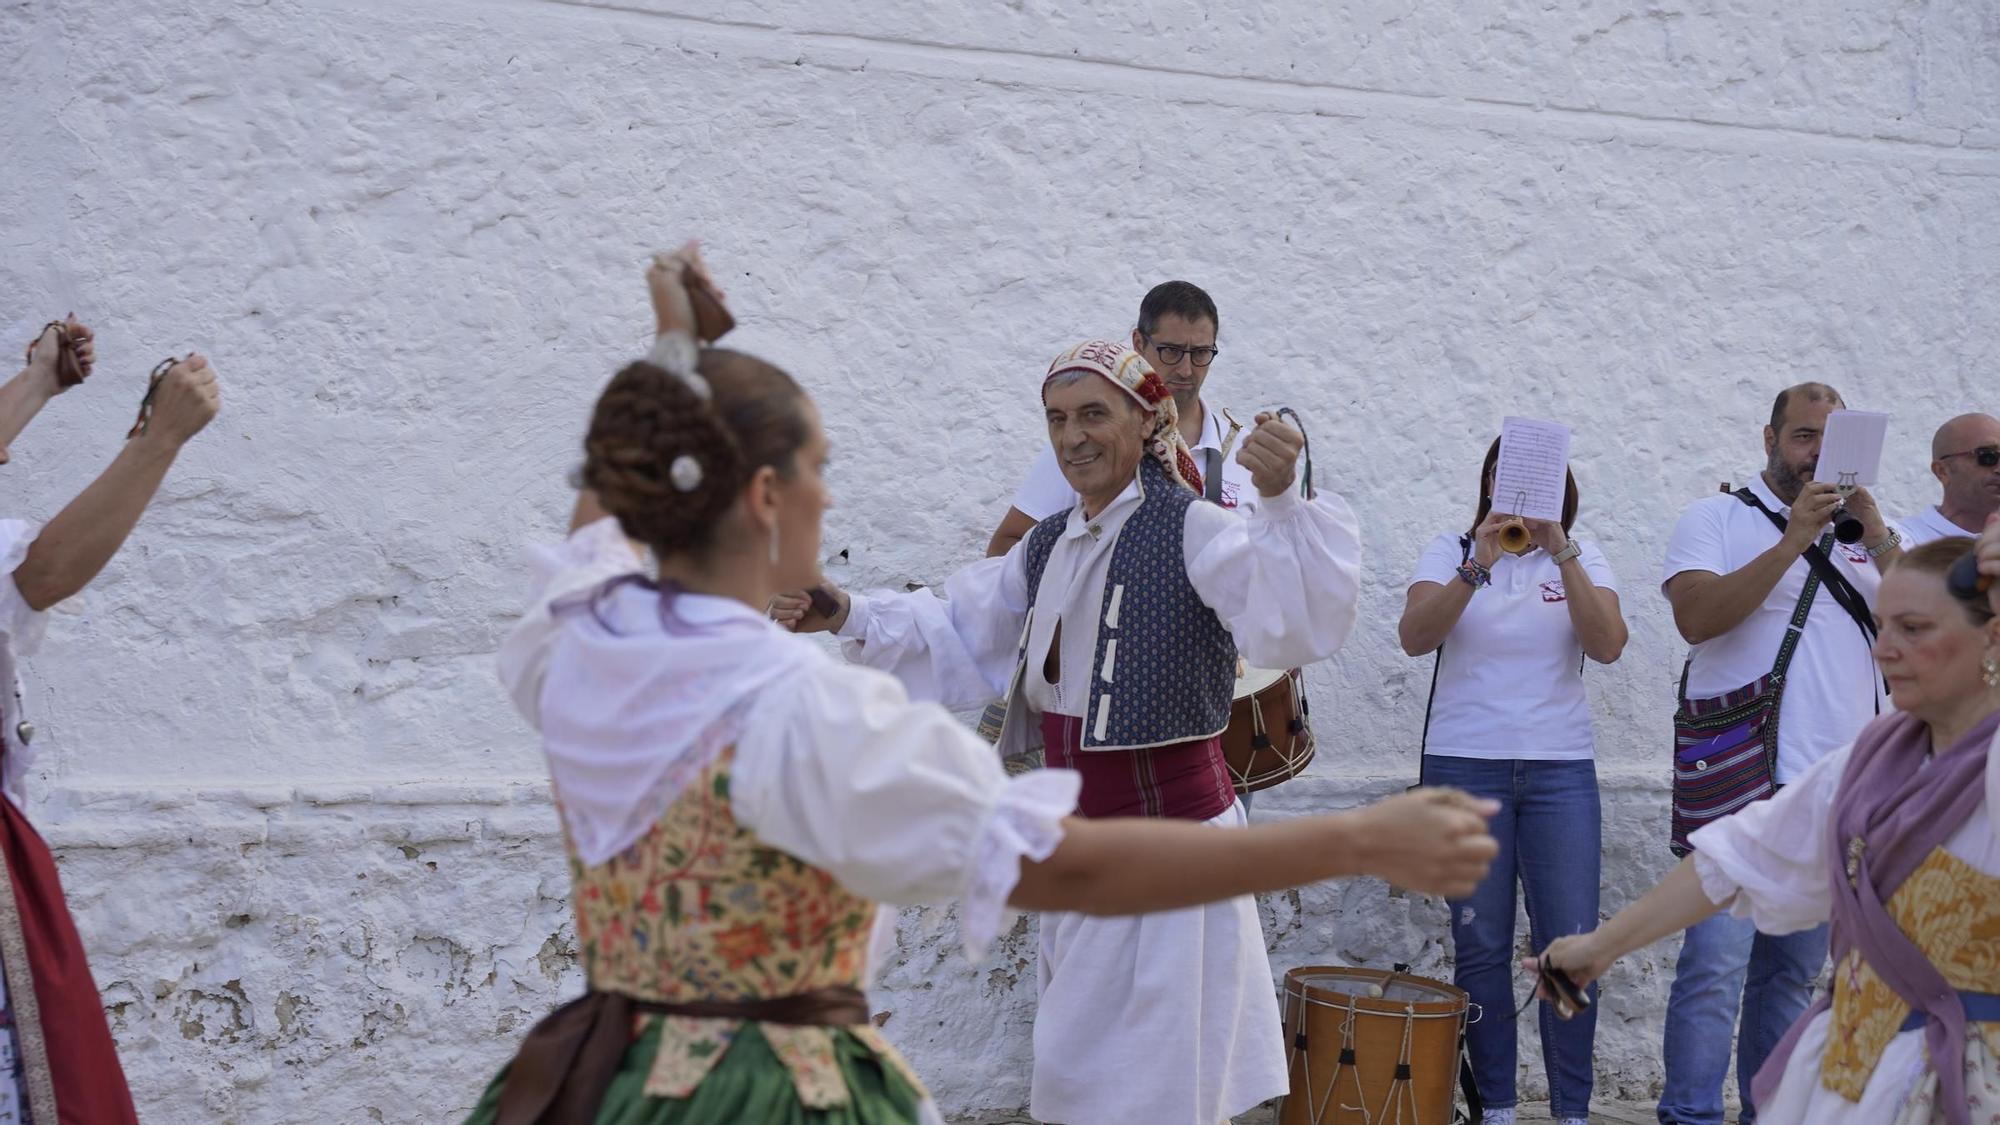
{"x":1369,"y":1046}
{"x":1269,"y":739}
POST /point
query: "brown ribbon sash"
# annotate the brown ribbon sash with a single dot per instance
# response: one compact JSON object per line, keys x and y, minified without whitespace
{"x":568,"y":1060}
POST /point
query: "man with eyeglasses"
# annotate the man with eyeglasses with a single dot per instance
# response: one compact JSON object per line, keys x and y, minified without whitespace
{"x":1965,"y":458}
{"x":1176,"y":333}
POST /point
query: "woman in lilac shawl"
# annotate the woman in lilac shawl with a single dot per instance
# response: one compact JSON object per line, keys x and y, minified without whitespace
{"x":1894,"y":840}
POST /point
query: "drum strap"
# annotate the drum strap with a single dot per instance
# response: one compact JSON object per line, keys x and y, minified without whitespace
{"x":1424,"y":746}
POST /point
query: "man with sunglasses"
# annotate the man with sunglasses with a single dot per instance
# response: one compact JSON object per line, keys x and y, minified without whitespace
{"x":1965,"y":458}
{"x":1176,"y":334}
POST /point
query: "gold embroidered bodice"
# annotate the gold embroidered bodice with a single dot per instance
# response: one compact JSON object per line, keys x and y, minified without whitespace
{"x":699,"y":909}
{"x":1951,"y":910}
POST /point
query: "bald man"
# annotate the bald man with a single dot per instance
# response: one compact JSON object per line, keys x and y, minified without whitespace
{"x":1965,"y":458}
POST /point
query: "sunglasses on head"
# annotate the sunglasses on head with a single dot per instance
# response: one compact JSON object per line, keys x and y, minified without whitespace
{"x":1988,"y":456}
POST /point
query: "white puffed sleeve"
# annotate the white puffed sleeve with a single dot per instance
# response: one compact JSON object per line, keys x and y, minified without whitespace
{"x":20,"y":624}
{"x":959,"y":651}
{"x":1771,"y":855}
{"x":1285,"y":580}
{"x":898,"y":801}
{"x":21,"y":629}
{"x":592,"y":555}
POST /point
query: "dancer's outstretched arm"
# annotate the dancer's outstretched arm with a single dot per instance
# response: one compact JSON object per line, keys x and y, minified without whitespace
{"x":74,"y":546}
{"x":1432,"y":841}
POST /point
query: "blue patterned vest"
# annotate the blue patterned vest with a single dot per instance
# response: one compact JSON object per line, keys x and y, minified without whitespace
{"x":1165,"y":666}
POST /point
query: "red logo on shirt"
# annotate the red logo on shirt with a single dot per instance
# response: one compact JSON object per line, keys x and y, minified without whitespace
{"x":1854,"y":554}
{"x":1553,"y":591}
{"x":1229,"y":494}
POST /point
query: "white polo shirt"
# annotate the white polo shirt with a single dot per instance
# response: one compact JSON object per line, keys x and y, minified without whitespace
{"x":1508,"y":682}
{"x":1832,"y":689}
{"x":1930,"y":525}
{"x":1046,"y":492}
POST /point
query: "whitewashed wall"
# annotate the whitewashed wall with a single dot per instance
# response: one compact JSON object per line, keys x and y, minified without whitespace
{"x":308,"y":844}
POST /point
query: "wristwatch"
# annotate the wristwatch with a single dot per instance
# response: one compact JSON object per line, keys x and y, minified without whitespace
{"x":1570,"y":550}
{"x":1894,"y":541}
{"x":1474,"y":575}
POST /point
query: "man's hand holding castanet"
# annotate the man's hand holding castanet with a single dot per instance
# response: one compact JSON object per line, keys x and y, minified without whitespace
{"x":822,"y":609}
{"x":1271,"y":453}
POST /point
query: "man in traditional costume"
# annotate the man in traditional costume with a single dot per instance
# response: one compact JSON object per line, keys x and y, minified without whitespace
{"x":1113,"y":632}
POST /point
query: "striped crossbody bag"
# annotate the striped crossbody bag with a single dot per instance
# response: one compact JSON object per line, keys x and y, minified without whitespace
{"x":1726,"y":746}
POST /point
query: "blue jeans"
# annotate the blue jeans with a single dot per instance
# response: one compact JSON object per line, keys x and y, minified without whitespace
{"x":1726,"y":962}
{"x":1550,"y":833}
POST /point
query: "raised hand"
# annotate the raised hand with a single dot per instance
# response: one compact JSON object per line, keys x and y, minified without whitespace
{"x":186,"y":399}
{"x":1811,"y":512}
{"x":1271,"y":453}
{"x":1547,"y":534}
{"x":52,"y":372}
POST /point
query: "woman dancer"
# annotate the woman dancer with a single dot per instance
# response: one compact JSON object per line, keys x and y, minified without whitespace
{"x":736,"y":802}
{"x":1893,"y":839}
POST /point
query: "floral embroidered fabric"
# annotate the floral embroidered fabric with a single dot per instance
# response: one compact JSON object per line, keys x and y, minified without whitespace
{"x":699,"y":909}
{"x":1951,"y":910}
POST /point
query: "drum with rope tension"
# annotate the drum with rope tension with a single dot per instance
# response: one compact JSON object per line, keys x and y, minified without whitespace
{"x":1269,"y":739}
{"x":1368,"y":1047}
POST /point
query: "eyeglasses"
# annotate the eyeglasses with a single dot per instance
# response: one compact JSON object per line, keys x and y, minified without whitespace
{"x":1173,"y":353}
{"x":1987,"y":455}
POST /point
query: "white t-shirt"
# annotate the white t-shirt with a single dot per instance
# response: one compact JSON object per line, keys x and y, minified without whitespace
{"x":1508,"y":682}
{"x":1045,"y":491}
{"x":1832,"y":689}
{"x":1929,"y":525}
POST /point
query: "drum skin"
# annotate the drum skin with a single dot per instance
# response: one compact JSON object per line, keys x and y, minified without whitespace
{"x":1387,"y":1010}
{"x":1271,"y":706}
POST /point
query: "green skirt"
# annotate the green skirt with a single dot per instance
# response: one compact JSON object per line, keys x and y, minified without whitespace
{"x":749,"y":1084}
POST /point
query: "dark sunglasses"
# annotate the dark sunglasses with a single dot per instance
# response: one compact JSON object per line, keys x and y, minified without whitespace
{"x":1987,"y":455}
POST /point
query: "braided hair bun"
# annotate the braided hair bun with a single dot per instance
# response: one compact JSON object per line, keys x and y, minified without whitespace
{"x":669,"y":463}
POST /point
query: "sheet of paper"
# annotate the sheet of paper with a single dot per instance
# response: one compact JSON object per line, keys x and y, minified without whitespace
{"x":1850,"y":451}
{"x":1534,"y":460}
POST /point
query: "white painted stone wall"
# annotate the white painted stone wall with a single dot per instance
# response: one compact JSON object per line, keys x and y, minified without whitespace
{"x":307,"y":842}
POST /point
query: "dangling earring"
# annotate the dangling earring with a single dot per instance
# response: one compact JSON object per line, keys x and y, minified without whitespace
{"x":774,"y":543}
{"x":1990,"y":670}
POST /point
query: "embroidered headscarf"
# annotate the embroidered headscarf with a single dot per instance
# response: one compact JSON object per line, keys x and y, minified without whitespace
{"x":1129,"y":372}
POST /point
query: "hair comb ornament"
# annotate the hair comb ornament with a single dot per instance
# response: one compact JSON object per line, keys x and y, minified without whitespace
{"x":685,"y":472}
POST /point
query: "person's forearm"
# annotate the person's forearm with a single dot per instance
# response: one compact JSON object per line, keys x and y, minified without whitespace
{"x":1430,"y":616}
{"x":1136,"y":866}
{"x":74,"y":546}
{"x":21,"y":398}
{"x":1675,"y":904}
{"x":1593,"y":614}
{"x":1723,"y":602}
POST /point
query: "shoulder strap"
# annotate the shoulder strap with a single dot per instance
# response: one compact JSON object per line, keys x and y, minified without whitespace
{"x":1424,"y":744}
{"x":1836,"y":583}
{"x":1211,"y":475}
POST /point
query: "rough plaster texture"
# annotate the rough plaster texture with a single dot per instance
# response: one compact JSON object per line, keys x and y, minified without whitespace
{"x":308,"y":843}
